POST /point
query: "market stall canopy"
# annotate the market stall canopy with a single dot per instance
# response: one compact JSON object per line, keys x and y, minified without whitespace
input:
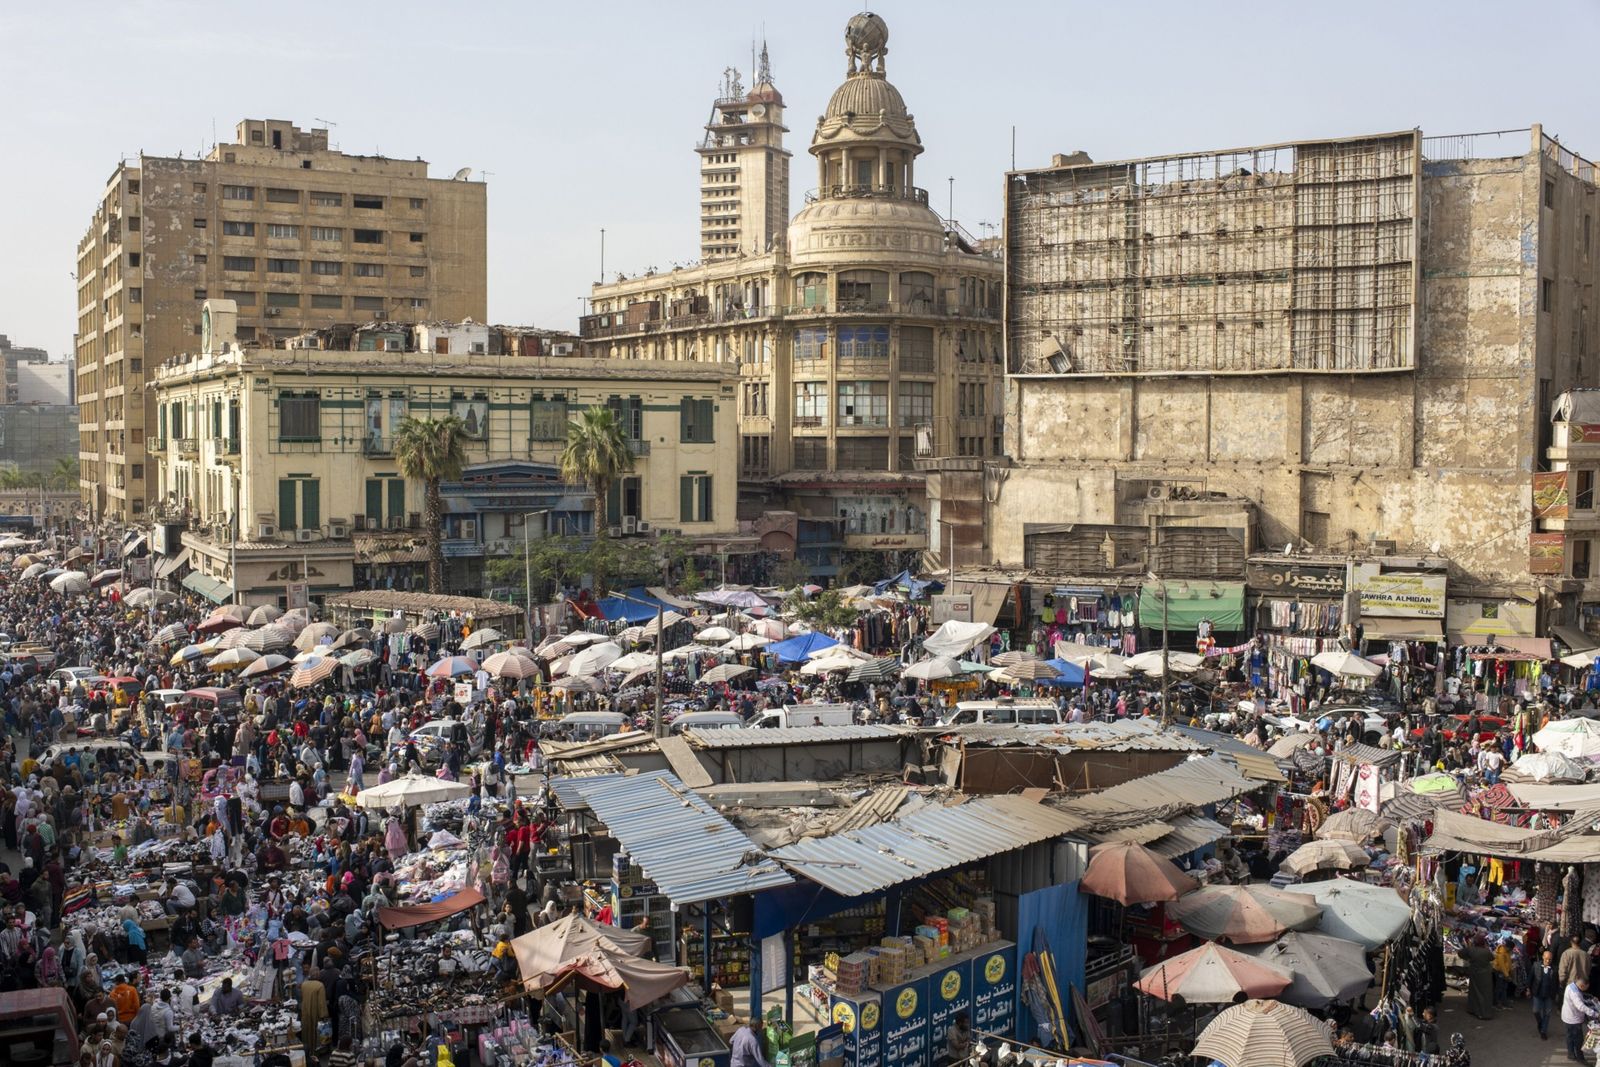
{"x":1455,"y":832}
{"x":1327,"y":970}
{"x":1379,"y":628}
{"x":915,"y":588}
{"x":1545,"y":768}
{"x":618,"y":609}
{"x":1354,"y":824}
{"x":411,"y":791}
{"x":732,"y":598}
{"x":1289,"y":744}
{"x":1212,"y":974}
{"x":931,"y":670}
{"x":798,"y":649}
{"x":402,"y":918}
{"x":1189,"y":602}
{"x":956,"y":638}
{"x":1576,"y":640}
{"x":1326,"y":856}
{"x":1556,"y":797}
{"x":213,"y":589}
{"x":595,"y":658}
{"x":1420,"y":797}
{"x":1150,"y":662}
{"x":1577,"y":738}
{"x":1244,"y":914}
{"x":147,"y":598}
{"x":1370,"y":915}
{"x":1129,"y":873}
{"x":643,"y":981}
{"x":1264,"y":1033}
{"x":681,"y":842}
{"x":726,"y":672}
{"x":543,"y":952}
{"x":1346,"y":664}
{"x":874,"y":670}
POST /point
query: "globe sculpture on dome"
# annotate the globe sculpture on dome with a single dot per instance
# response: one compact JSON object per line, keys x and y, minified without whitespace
{"x":866,"y":42}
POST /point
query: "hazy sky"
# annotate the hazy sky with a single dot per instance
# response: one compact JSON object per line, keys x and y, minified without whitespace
{"x":585,"y":115}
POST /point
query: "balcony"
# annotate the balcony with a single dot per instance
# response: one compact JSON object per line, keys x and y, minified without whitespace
{"x":873,"y":192}
{"x":153,"y":445}
{"x":639,"y":446}
{"x":188,"y":446}
{"x":377,"y":446}
{"x":225,"y":446}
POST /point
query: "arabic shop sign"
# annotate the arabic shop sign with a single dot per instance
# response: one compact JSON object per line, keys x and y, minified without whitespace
{"x":1406,"y":594}
{"x":1294,"y":579}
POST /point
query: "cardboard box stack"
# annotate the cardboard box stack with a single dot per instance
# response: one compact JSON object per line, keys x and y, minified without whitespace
{"x":854,"y":975}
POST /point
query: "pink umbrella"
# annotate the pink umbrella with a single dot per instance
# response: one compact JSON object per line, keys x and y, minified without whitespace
{"x":1212,"y":974}
{"x":450,"y":666}
{"x":1129,"y":873}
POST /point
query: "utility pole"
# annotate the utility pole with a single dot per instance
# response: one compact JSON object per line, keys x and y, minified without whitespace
{"x":1166,"y":660}
{"x":527,"y":577}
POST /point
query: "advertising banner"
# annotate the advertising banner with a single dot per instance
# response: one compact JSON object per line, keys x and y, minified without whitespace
{"x":861,"y":1019}
{"x":1406,"y":594}
{"x":1547,"y":553}
{"x":905,"y":1025}
{"x":994,"y":990}
{"x":950,"y":990}
{"x":1550,"y":495}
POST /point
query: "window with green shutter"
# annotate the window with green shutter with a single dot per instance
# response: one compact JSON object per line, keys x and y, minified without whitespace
{"x":288,"y":498}
{"x":311,"y":503}
{"x":695,"y":421}
{"x":694,"y":498}
{"x":374,"y":500}
{"x":397,"y":498}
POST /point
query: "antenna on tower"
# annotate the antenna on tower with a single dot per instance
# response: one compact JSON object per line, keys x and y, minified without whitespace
{"x":764,"y":71}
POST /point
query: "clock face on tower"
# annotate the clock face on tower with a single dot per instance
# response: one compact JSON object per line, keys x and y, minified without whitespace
{"x":205,"y":329}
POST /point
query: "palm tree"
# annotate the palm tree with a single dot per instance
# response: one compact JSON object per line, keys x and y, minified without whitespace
{"x":431,"y":451}
{"x":65,"y":473}
{"x":597,"y":454}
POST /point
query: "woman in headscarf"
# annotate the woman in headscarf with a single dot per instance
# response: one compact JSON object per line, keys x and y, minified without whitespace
{"x":88,"y":986}
{"x":48,"y":969}
{"x":73,"y":955}
{"x":394,"y":839}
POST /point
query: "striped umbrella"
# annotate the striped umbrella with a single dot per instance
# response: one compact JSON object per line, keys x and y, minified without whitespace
{"x":216,"y":623}
{"x":1264,"y":1033}
{"x":725,"y":672}
{"x":233,"y":638}
{"x":318,"y":633}
{"x":148,"y":598}
{"x":516,"y":663}
{"x":271,"y":663}
{"x":188,"y":654}
{"x":314,"y":670}
{"x":451,"y":666}
{"x":1031,"y":671}
{"x":33,"y":570}
{"x":233,"y":659}
{"x":264,"y":614}
{"x":353,"y":638}
{"x":293,"y":621}
{"x":874,"y":670}
{"x":428,"y":631}
{"x":105,"y":577}
{"x":266,"y":638}
{"x":175,"y":631}
{"x":486,"y":636}
{"x":361,"y":657}
{"x":1015,"y":656}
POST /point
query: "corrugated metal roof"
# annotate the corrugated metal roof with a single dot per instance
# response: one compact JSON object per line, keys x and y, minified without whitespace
{"x":1189,"y":832}
{"x":570,"y":750}
{"x":566,"y":789}
{"x":793,"y":735}
{"x":1140,"y":833}
{"x":1192,"y":784}
{"x":924,"y":843}
{"x":1122,"y":735}
{"x":680,"y":842}
{"x":1257,"y":765}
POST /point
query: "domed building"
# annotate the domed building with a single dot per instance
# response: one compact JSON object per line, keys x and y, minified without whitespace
{"x":866,"y":335}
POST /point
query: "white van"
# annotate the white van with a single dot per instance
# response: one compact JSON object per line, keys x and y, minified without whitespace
{"x":590,"y":725}
{"x":1003,"y":713}
{"x":707,"y":720}
{"x":807,"y":715}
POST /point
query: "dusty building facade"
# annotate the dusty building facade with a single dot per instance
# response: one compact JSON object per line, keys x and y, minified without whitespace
{"x":296,"y":234}
{"x":744,"y":169}
{"x":280,"y":461}
{"x":866,"y":341}
{"x":1354,"y":344}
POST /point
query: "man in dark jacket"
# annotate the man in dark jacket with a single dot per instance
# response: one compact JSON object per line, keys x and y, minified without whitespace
{"x":1544,"y":986}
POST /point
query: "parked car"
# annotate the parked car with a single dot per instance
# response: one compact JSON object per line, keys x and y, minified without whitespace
{"x":62,"y":679}
{"x":1002,"y":712}
{"x":707,"y":720}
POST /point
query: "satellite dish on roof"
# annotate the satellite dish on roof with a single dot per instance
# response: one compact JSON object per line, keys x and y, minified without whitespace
{"x":461,"y":175}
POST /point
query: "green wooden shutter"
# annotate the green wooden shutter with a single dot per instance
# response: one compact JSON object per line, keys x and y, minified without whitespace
{"x":685,"y":419}
{"x":397,"y":498}
{"x":162,"y":410}
{"x":614,"y":504}
{"x":686,"y":499}
{"x":311,"y":503}
{"x":286,"y":501}
{"x":375,"y":500}
{"x":705,"y":499}
{"x":704,"y":422}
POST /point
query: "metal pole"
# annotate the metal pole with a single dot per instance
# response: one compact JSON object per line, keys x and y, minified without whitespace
{"x":1166,"y":665}
{"x":527,"y":582}
{"x":661,"y":638}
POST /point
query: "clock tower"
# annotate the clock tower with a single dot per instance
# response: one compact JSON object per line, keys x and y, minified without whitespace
{"x":744,"y":169}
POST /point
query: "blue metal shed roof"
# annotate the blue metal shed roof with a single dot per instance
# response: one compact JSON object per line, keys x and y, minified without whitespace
{"x":680,"y":842}
{"x":925,"y":842}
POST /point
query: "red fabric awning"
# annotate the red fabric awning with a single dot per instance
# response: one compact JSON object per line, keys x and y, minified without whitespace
{"x":417,"y":914}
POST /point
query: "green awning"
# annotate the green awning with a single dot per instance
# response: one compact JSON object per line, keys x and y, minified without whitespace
{"x":1190,"y":602}
{"x":213,"y":589}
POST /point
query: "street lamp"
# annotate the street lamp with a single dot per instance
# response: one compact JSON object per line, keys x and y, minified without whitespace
{"x":527,"y":574}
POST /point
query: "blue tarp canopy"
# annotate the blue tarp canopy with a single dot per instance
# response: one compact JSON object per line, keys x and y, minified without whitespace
{"x":1070,"y":674}
{"x":796,"y":649}
{"x":915,"y":587}
{"x":616,"y":609}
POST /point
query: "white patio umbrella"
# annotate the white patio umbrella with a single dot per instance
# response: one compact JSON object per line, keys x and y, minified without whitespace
{"x":486,"y":636}
{"x":828,"y":665}
{"x":1576,"y":738}
{"x":594,"y":658}
{"x":1150,"y":662}
{"x":930,"y":670}
{"x":264,"y":614}
{"x":1346,"y":664}
{"x":147,"y":597}
{"x":410,"y":791}
{"x":714,"y":635}
{"x":726,"y":672}
{"x":747,"y":643}
{"x":70,"y":582}
{"x":632,"y":661}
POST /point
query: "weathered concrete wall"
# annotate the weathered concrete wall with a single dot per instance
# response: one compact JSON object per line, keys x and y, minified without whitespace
{"x":1440,"y":454}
